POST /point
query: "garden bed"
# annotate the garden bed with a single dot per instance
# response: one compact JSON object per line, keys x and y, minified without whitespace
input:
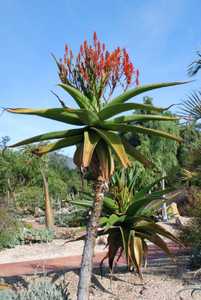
{"x":162,"y":280}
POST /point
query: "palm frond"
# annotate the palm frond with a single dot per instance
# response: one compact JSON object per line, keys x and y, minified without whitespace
{"x":191,"y":107}
{"x":195,"y":66}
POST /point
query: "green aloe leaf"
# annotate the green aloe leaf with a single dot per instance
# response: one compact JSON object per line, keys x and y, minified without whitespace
{"x":82,"y":203}
{"x":49,"y":136}
{"x":81,"y":100}
{"x":141,"y":194}
{"x":109,"y":204}
{"x":155,"y":239}
{"x":65,"y":115}
{"x":69,"y":141}
{"x":103,"y":221}
{"x":113,"y":219}
{"x":153,"y":227}
{"x":142,"y":117}
{"x":114,"y":245}
{"x":141,"y":89}
{"x":137,"y":205}
{"x":114,"y":141}
{"x":139,"y":129}
{"x":87,"y":117}
{"x":112,"y":110}
{"x":132,"y":151}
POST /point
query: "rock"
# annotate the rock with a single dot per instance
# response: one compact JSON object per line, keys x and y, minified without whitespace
{"x":183,"y":221}
{"x":38,"y":212}
{"x":174,"y":209}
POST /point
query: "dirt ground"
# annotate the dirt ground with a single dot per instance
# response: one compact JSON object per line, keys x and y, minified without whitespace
{"x":162,"y":280}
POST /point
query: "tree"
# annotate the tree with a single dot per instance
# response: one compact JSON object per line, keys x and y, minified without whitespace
{"x":161,"y":152}
{"x":191,"y":107}
{"x":91,"y":78}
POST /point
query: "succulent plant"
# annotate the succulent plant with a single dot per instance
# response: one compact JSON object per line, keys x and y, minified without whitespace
{"x":41,"y":290}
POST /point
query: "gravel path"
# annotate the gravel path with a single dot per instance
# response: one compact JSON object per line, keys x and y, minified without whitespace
{"x":54,"y":249}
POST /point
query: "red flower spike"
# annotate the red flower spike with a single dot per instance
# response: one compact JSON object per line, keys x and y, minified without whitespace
{"x":95,"y":37}
{"x":71,"y":54}
{"x":98,"y":66}
{"x":137,"y":77}
{"x":66,"y":49}
{"x":85,"y":45}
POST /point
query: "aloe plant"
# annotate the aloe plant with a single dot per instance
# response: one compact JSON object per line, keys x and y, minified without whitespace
{"x":128,"y":221}
{"x":90,"y":79}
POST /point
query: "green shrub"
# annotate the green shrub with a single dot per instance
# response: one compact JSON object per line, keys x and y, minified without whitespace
{"x":7,"y":295}
{"x":191,"y":236}
{"x":9,"y":229}
{"x":12,"y":232}
{"x":28,"y":235}
{"x":76,"y":218}
{"x":29,"y":198}
{"x":42,"y":290}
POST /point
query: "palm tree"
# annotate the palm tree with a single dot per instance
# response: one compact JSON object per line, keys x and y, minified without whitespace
{"x":195,"y":66}
{"x":90,"y":79}
{"x":191,"y":107}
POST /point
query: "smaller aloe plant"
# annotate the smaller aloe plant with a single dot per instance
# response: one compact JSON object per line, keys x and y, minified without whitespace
{"x":128,"y":221}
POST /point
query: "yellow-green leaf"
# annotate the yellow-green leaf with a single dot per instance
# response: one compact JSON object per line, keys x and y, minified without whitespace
{"x":132,"y":151}
{"x":112,"y":110}
{"x":77,"y":158}
{"x":81,"y":100}
{"x":88,"y":117}
{"x":65,"y":115}
{"x":115,"y":142}
{"x":90,"y":141}
{"x":157,"y":240}
{"x":139,"y":129}
{"x":143,"y":117}
{"x":48,"y":136}
{"x":141,"y":89}
{"x":137,"y":253}
{"x":44,"y":149}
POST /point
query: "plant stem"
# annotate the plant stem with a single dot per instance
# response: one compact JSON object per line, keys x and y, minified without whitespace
{"x":49,"y":218}
{"x":88,"y":252}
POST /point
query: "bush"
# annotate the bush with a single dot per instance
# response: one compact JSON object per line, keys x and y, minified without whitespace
{"x":9,"y":229}
{"x":12,"y":232}
{"x":28,"y":235}
{"x":42,"y":290}
{"x":191,"y":236}
{"x":29,"y":198}
{"x":76,"y":218}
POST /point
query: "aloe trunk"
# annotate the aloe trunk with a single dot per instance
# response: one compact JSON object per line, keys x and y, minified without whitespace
{"x":49,"y":218}
{"x":88,"y":253}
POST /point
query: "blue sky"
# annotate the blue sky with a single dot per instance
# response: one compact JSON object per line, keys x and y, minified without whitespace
{"x":160,"y":36}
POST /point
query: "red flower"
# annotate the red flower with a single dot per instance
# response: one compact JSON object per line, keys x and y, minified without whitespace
{"x":95,"y":37}
{"x":137,"y":77}
{"x":98,"y":68}
{"x":66,"y":49}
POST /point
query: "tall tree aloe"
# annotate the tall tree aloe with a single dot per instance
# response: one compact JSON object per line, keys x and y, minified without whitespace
{"x":90,"y":79}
